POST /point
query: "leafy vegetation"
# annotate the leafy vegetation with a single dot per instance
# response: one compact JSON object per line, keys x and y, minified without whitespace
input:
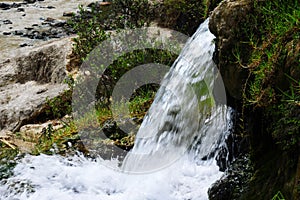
{"x":93,"y":25}
{"x":67,"y":139}
{"x":7,"y":160}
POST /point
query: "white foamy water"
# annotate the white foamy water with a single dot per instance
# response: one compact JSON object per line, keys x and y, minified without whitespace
{"x":76,"y":178}
{"x":184,"y":125}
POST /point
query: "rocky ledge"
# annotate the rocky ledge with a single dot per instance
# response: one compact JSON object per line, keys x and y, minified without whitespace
{"x":29,"y":80}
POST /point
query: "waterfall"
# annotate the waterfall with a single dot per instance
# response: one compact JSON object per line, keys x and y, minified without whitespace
{"x":184,"y":104}
{"x":175,"y":147}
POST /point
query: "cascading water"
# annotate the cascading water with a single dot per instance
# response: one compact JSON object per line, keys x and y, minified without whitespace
{"x":186,"y":123}
{"x":181,"y":110}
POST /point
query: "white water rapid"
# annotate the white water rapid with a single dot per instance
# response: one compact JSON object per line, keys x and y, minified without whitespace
{"x":186,"y":123}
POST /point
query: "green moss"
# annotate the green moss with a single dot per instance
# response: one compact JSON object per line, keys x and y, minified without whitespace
{"x":273,"y":84}
{"x":269,"y":50}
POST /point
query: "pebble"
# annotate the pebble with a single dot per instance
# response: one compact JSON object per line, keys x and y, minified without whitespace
{"x":50,"y":7}
{"x":23,"y":45}
{"x":30,"y":1}
{"x":29,"y":28}
{"x":4,"y":6}
{"x":49,"y":19}
{"x":18,"y":32}
{"x":59,"y":24}
{"x":7,"y":21}
{"x":68,"y":14}
{"x":21,"y":10}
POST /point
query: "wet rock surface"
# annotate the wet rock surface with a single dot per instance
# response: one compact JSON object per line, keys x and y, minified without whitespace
{"x":234,"y":182}
{"x":225,"y":23}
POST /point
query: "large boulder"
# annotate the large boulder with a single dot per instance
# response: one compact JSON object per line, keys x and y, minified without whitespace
{"x":28,"y":80}
{"x":225,"y":23}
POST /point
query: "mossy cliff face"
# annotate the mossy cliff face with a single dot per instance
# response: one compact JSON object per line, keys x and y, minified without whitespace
{"x":257,"y":52}
{"x":225,"y":23}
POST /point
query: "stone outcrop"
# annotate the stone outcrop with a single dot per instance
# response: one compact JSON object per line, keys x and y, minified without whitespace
{"x":225,"y":23}
{"x":243,"y":30}
{"x":28,"y":80}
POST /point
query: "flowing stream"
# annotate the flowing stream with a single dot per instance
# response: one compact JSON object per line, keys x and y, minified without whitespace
{"x":175,"y":148}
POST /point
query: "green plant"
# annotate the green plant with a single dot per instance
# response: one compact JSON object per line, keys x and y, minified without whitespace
{"x":92,"y":25}
{"x":59,"y":106}
{"x":286,"y":117}
{"x":56,"y":141}
{"x":273,"y":83}
{"x":133,"y":13}
{"x":90,"y":31}
{"x":141,"y":102}
{"x":7,"y":160}
{"x":127,"y":62}
{"x":278,"y":196}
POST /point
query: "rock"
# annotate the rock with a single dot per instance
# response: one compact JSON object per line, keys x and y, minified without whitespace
{"x":29,"y":28}
{"x":234,"y":182}
{"x":50,"y":7}
{"x":30,"y":1}
{"x":23,"y":45}
{"x":18,"y":32}
{"x":68,"y":14}
{"x":32,"y":132}
{"x":58,"y":23}
{"x":49,"y":19}
{"x":21,"y":10}
{"x":7,"y":21}
{"x":97,"y":4}
{"x":225,"y":22}
{"x":16,"y":5}
{"x":5,"y":134}
{"x":4,"y":6}
{"x":28,"y":80}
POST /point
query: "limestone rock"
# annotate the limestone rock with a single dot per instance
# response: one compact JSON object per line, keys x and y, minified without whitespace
{"x":31,"y":132}
{"x":29,"y":79}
